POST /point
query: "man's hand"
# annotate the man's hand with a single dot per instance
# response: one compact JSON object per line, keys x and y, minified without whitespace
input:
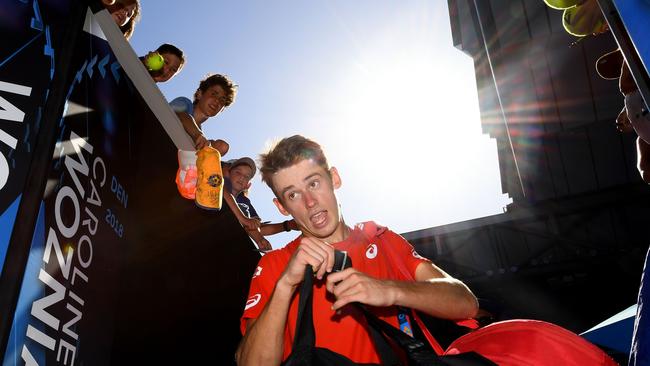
{"x":315,"y":252}
{"x":351,"y":285}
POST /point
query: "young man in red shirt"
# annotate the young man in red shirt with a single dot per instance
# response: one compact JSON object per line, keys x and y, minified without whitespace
{"x":387,"y":273}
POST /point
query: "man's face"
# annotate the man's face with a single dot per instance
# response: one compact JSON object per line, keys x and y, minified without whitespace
{"x":306,"y":191}
{"x":212,"y":101}
{"x":240,"y":177}
{"x":170,"y":67}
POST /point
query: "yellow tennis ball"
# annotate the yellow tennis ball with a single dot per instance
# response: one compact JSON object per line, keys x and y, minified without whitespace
{"x":154,"y":61}
{"x":583,"y":25}
{"x":561,"y":4}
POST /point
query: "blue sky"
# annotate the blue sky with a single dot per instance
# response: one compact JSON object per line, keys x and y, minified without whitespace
{"x":377,"y":83}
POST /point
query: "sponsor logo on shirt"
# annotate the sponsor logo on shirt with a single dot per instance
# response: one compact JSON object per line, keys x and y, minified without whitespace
{"x":371,"y":252}
{"x":252,"y":301}
{"x":416,"y":255}
{"x":258,"y":271}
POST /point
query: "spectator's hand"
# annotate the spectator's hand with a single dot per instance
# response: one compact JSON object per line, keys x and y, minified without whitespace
{"x":220,"y":145}
{"x":589,"y":13}
{"x":201,"y":142}
{"x":351,"y":285}
{"x":623,"y":123}
{"x":250,"y":224}
{"x":315,"y":252}
{"x":292,"y":225}
{"x":264,"y":244}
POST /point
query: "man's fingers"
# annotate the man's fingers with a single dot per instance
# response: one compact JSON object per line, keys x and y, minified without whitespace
{"x":326,"y":252}
{"x":348,"y":298}
{"x":334,"y":279}
{"x":316,"y":258}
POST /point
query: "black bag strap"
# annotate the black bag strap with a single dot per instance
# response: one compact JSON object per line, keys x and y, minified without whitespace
{"x":305,"y":335}
{"x":418,"y":352}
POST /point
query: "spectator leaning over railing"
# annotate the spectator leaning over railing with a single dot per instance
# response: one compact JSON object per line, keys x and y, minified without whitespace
{"x":125,"y":13}
{"x":237,"y":180}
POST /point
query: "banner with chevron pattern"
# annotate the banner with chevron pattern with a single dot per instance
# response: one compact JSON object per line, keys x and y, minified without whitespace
{"x":31,"y":31}
{"x":66,"y":305}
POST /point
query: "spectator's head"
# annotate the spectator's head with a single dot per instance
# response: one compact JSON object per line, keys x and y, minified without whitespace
{"x":297,"y":171}
{"x":215,"y":93}
{"x":174,"y":61}
{"x":241,"y":172}
{"x":125,"y":13}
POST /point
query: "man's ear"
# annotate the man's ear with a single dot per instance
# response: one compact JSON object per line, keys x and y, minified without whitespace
{"x":248,"y":185}
{"x":278,"y":204}
{"x":198,"y":94}
{"x":336,"y":178}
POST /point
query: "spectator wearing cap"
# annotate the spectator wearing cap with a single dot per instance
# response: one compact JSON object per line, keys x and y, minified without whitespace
{"x":237,"y":180}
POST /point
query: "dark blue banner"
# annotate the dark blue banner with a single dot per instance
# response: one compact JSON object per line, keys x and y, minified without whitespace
{"x":30,"y":31}
{"x":634,"y":15}
{"x":65,"y":310}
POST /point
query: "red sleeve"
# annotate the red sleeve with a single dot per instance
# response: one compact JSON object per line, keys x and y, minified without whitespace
{"x":261,"y":288}
{"x":400,"y":248}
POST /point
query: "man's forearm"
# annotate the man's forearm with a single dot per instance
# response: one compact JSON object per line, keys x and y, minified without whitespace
{"x":263,"y":343}
{"x":445,"y":298}
{"x":433,"y":292}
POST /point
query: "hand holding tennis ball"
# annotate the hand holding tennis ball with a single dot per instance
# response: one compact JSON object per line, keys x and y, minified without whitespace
{"x":561,"y":4}
{"x":584,"y":19}
{"x":154,"y":61}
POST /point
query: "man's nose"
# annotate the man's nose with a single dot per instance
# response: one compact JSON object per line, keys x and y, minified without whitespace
{"x":309,"y":199}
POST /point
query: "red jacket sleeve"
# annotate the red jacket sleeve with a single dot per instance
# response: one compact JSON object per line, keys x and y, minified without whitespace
{"x":400,"y":248}
{"x":261,"y":288}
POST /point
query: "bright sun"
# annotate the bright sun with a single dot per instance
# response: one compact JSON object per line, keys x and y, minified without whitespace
{"x":410,"y":121}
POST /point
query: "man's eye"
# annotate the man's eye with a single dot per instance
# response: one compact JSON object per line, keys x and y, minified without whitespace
{"x":292,"y":195}
{"x":314,"y":184}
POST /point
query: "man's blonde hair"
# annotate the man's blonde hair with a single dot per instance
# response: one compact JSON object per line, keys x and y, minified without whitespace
{"x":290,"y":151}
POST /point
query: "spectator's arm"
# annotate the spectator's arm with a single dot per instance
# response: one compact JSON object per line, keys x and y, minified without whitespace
{"x":257,"y":236}
{"x":643,"y":159}
{"x":271,"y":229}
{"x":193,"y":130}
{"x":247,"y":223}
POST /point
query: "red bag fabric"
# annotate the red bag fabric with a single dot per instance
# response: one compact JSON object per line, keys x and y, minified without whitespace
{"x":525,"y":342}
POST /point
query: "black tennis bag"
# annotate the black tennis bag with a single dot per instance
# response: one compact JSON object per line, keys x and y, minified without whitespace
{"x":304,"y":352}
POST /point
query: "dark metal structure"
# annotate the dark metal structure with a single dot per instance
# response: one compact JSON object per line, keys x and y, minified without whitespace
{"x":570,"y":247}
